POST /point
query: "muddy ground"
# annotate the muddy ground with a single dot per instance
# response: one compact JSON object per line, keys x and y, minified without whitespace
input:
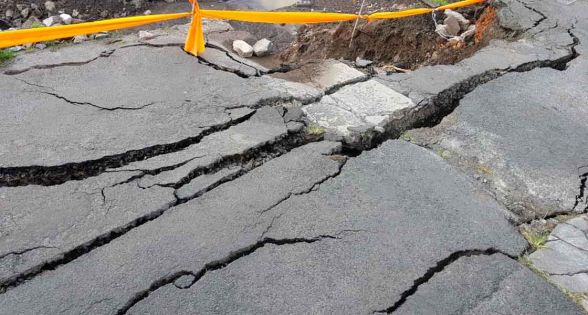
{"x":406,"y":43}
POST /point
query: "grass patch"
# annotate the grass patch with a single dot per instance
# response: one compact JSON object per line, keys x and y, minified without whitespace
{"x":577,"y":297}
{"x":444,"y":153}
{"x":536,"y":239}
{"x":484,"y":170}
{"x":6,"y":55}
{"x":407,"y":136}
{"x":440,"y":2}
{"x":38,"y":25}
{"x":314,"y":130}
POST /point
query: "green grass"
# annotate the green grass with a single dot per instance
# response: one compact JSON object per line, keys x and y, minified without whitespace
{"x":314,"y":130}
{"x":407,"y":136}
{"x":37,"y":25}
{"x":536,"y":239}
{"x":444,"y":153}
{"x":440,"y":2}
{"x":6,"y":55}
{"x":484,"y":170}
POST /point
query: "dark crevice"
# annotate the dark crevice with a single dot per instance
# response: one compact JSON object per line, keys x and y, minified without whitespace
{"x":250,"y":159}
{"x":570,"y":274}
{"x":439,"y":267}
{"x":284,"y":68}
{"x":432,"y":110}
{"x":104,"y":54}
{"x":543,"y":16}
{"x":33,"y":84}
{"x":333,"y":89}
{"x":24,"y":251}
{"x":277,"y":100}
{"x":258,"y":155}
{"x":237,"y":72}
{"x":96,"y":106}
{"x":556,"y":238}
{"x":216,"y":265}
{"x":581,"y":197}
{"x":314,"y":187}
{"x":59,"y":174}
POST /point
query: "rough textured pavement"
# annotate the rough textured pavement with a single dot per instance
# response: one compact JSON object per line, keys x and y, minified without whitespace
{"x":137,"y":179}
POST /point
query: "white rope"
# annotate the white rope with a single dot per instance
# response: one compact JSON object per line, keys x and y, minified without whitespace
{"x":356,"y":22}
{"x":436,"y":24}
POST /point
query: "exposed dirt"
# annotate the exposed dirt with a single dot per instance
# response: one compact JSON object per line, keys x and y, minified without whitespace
{"x":91,"y":10}
{"x":405,"y":43}
{"x":353,"y":6}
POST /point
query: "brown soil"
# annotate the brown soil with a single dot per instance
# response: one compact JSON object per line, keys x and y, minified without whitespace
{"x":405,"y":43}
{"x":88,"y":9}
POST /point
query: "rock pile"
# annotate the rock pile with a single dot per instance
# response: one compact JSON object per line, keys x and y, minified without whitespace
{"x":455,"y":27}
{"x":261,"y":48}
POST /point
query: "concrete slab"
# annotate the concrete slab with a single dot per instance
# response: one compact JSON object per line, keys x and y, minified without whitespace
{"x":564,"y":258}
{"x":524,"y":137}
{"x":492,"y":284}
{"x":358,"y":109}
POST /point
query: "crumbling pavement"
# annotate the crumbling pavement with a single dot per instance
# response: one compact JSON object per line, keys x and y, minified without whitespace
{"x":173,"y":185}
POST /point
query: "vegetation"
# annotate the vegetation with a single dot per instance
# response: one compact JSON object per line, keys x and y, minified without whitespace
{"x":536,"y":239}
{"x":407,"y":136}
{"x":444,"y":153}
{"x":484,"y":170}
{"x":314,"y":130}
{"x":440,"y":2}
{"x":6,"y":55}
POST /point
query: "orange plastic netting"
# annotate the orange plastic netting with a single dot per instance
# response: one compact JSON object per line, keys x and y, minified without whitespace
{"x":195,"y":38}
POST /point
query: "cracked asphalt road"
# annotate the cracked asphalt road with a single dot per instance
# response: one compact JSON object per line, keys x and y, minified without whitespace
{"x":135,"y":179}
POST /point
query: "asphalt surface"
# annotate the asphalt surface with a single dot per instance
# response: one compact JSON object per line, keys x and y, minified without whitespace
{"x":136,"y":179}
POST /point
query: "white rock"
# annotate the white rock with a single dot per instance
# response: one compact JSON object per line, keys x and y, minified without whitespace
{"x":362,"y":63}
{"x":469,"y":32}
{"x":148,"y":12}
{"x":137,"y":3}
{"x":75,"y":13}
{"x":66,"y":18}
{"x":52,"y":20}
{"x":463,"y":22}
{"x":242,"y":48}
{"x":40,"y":46}
{"x":262,"y":47}
{"x":16,"y":48}
{"x":442,"y":30}
{"x":144,"y":35}
{"x":9,"y":13}
{"x":50,"y":6}
{"x":25,"y":12}
{"x":79,"y":39}
{"x":101,"y":35}
{"x":452,"y":24}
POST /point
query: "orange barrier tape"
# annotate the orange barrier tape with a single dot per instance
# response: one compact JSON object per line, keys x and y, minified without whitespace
{"x":399,"y":14}
{"x":33,"y":35}
{"x":279,"y":17}
{"x":195,"y":39}
{"x":460,"y":4}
